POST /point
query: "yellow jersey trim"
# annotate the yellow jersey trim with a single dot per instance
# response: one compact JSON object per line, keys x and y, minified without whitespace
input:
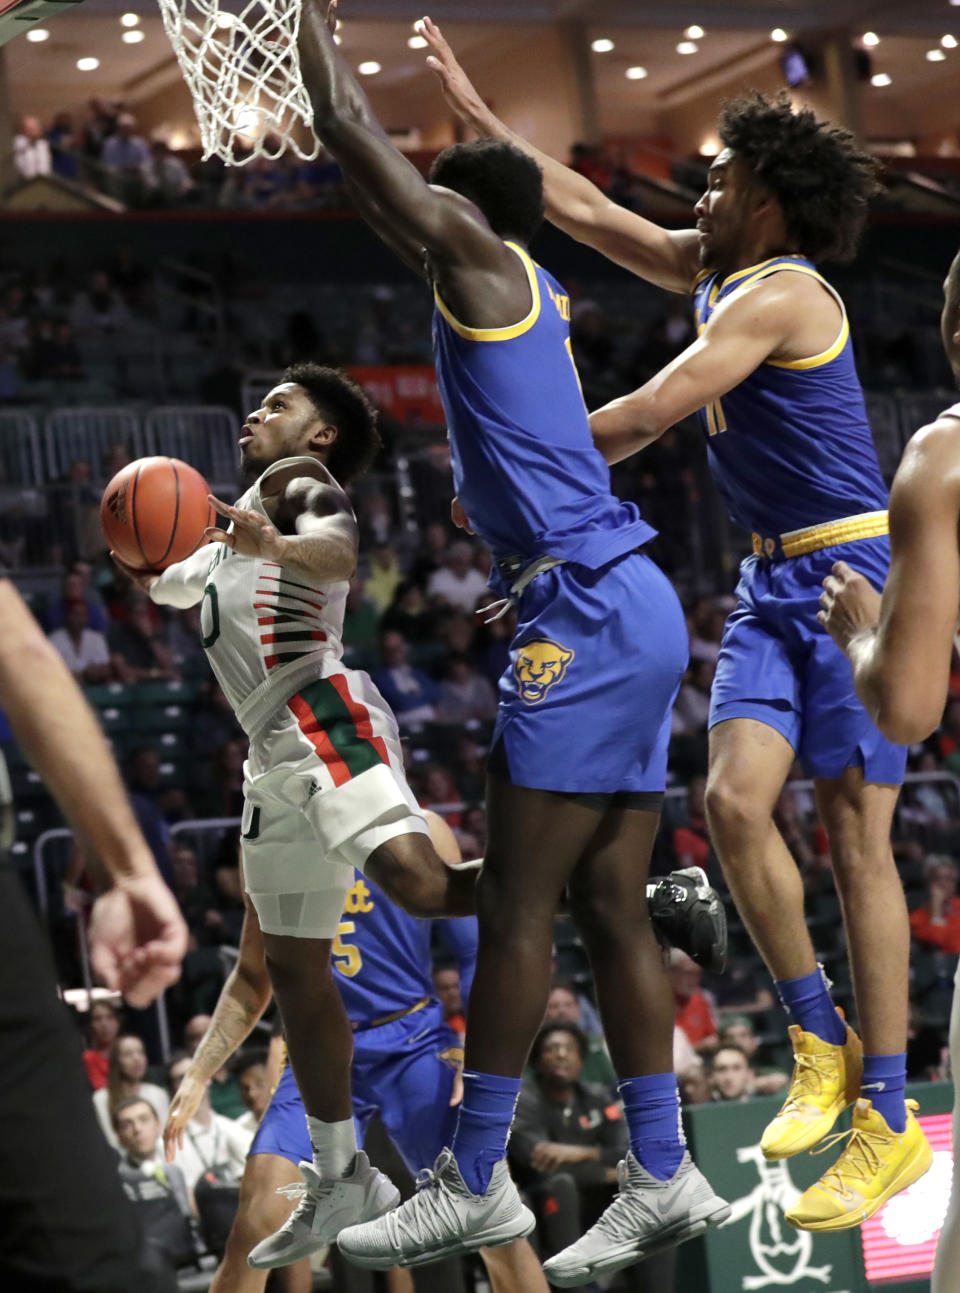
{"x":751,"y":270}
{"x":499,"y":334}
{"x":797,"y":543}
{"x":813,"y":361}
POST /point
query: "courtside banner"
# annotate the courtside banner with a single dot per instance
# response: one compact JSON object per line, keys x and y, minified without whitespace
{"x":755,"y":1249}
{"x":406,"y":392}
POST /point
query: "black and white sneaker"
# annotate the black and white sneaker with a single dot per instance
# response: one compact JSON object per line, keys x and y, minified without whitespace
{"x":686,"y":912}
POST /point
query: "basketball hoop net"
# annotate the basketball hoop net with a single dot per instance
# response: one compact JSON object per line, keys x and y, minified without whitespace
{"x":243,"y":73}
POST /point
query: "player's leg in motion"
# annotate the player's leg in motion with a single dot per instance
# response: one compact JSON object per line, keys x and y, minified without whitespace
{"x":260,"y":1212}
{"x":946,"y":1270}
{"x":609,"y":907}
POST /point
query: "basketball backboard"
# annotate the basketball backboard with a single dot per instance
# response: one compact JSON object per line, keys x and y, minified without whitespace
{"x":17,"y":16}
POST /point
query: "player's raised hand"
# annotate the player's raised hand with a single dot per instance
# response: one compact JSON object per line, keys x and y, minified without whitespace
{"x":459,"y":516}
{"x":849,"y":605}
{"x":252,"y":535}
{"x":138,"y":938}
{"x":185,"y":1104}
{"x":458,"y":89}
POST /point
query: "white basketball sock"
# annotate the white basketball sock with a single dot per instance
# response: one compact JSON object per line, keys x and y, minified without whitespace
{"x":334,"y":1146}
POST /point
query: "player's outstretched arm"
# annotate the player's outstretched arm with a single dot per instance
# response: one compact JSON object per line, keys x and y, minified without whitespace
{"x":242,"y":1001}
{"x":670,"y":259}
{"x":394,"y":197}
{"x":137,"y":934}
{"x":900,"y":645}
{"x":743,"y":333}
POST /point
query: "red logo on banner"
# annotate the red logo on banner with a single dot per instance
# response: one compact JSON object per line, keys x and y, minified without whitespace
{"x":407,"y":392}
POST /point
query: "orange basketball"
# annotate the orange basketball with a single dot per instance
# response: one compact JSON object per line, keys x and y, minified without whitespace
{"x":154,"y":512}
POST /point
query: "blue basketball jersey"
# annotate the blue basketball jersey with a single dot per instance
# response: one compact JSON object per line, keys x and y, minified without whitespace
{"x":790,"y":446}
{"x":524,"y":464}
{"x":382,"y":956}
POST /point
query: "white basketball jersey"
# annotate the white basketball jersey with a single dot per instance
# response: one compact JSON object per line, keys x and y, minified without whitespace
{"x":267,"y":629}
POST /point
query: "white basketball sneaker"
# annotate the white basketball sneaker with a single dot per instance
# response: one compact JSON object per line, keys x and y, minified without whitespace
{"x":441,"y":1220}
{"x":327,"y":1204}
{"x":646,"y":1215}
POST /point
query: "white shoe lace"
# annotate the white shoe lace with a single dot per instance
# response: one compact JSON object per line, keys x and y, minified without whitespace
{"x":619,"y":1221}
{"x":430,"y":1217}
{"x":307,"y":1198}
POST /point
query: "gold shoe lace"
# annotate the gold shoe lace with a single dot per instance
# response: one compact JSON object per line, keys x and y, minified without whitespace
{"x":809,"y":1074}
{"x":860,"y":1160}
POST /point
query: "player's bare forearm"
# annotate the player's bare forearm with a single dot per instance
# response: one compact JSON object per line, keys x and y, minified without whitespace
{"x":60,"y":735}
{"x":622,"y":428}
{"x":322,"y":556}
{"x":242,"y":1001}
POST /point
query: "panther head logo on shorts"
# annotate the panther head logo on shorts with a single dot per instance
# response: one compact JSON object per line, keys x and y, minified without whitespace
{"x":537,"y":666}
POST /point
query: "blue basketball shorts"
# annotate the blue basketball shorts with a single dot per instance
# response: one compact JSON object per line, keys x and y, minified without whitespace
{"x":778,"y":665}
{"x":595,"y":666}
{"x":403,"y":1070}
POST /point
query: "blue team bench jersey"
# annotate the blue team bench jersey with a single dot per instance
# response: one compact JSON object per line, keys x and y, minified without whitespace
{"x":524,"y":464}
{"x":383,"y":958}
{"x":790,"y":446}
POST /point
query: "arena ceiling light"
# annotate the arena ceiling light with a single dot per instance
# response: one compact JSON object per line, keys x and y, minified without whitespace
{"x":935,"y":56}
{"x":687,"y":47}
{"x":37,"y":34}
{"x":133,"y":37}
{"x":870,"y":38}
{"x":417,"y":42}
{"x":695,"y":32}
{"x":881,"y":78}
{"x":130,"y":20}
{"x":779,"y":35}
{"x":603,"y":45}
{"x":87,"y":64}
{"x":370,"y":68}
{"x":226,"y":20}
{"x":636,"y":73}
{"x":948,"y":42}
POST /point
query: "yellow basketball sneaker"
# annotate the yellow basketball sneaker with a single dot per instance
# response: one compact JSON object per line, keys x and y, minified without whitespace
{"x":875,"y":1165}
{"x":825,"y":1081}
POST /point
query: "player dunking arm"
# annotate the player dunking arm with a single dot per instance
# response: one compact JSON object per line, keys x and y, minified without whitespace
{"x":404,"y":1066}
{"x":324,"y":787}
{"x":578,"y":764}
{"x":900,"y":645}
{"x":773,"y":376}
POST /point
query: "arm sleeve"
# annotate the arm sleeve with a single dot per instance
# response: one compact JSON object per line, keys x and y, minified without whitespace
{"x":459,"y":937}
{"x":182,"y":584}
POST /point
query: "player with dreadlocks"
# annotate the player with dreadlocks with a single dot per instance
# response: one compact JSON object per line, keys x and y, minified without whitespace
{"x":772,"y":377}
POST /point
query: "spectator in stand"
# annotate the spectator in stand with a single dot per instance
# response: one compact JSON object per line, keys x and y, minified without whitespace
{"x":126,"y":1071}
{"x":100,"y":310}
{"x":64,"y":147}
{"x":410,"y":614}
{"x":465,"y":694}
{"x":588,"y":160}
{"x":432,"y":552}
{"x":695,"y":1011}
{"x":252,"y":1071}
{"x":458,"y":582}
{"x":937,"y":922}
{"x":738,"y":1030}
{"x":223,"y":797}
{"x":138,"y":650}
{"x":224,"y":1091}
{"x":694,"y":1083}
{"x":212,"y":1143}
{"x":53,"y":354}
{"x":691,"y":843}
{"x":692,"y":708}
{"x":195,"y":898}
{"x":472,"y":832}
{"x":384,"y":578}
{"x":567,"y":1138}
{"x":83,"y":649}
{"x":799,"y":836}
{"x":157,"y":1189}
{"x":31,"y":152}
{"x":563,"y":1007}
{"x":167,"y":180}
{"x":77,"y":585}
{"x":932,"y":805}
{"x":102,"y":1031}
{"x":731,"y":1077}
{"x":15,"y":319}
{"x":100,"y":124}
{"x":708,"y":619}
{"x":360,"y":624}
{"x":493,"y":641}
{"x":214,"y":722}
{"x":127,"y":155}
{"x":446,"y":987}
{"x":145,"y":797}
{"x":408,"y":691}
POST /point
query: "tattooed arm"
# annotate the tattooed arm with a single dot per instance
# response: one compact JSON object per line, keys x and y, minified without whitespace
{"x":245,"y":996}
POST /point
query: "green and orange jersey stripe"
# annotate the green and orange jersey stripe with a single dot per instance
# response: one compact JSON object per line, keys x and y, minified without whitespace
{"x":339,"y":728}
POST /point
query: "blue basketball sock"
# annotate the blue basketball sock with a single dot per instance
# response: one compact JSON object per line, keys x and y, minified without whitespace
{"x":807,"y":1001}
{"x":652,"y":1108}
{"x":883,"y":1082}
{"x":480,"y":1140}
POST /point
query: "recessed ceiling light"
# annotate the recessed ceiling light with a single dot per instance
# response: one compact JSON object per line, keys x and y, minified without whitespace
{"x":779,"y":35}
{"x":870,"y":38}
{"x":133,"y":37}
{"x":687,"y":47}
{"x":601,"y":46}
{"x":87,"y":64}
{"x":881,"y":78}
{"x":948,"y":42}
{"x":226,"y":20}
{"x":417,"y":42}
{"x":36,"y":34}
{"x":337,"y":38}
{"x":695,"y":32}
{"x":370,"y":68}
{"x":130,"y":20}
{"x":636,"y":73}
{"x":935,"y":56}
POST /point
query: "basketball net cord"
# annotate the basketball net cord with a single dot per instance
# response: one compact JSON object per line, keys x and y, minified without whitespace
{"x":243,"y":72}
